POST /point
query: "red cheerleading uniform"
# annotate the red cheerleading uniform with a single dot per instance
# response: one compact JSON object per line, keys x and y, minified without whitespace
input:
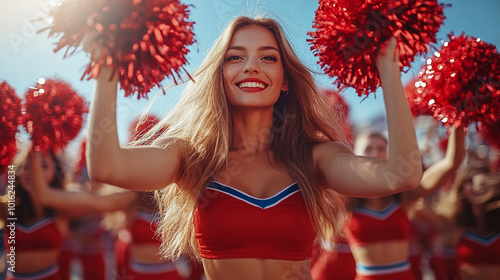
{"x":66,"y":256}
{"x":232,"y":224}
{"x":367,"y":226}
{"x":143,"y":231}
{"x":474,"y":248}
{"x":41,"y":235}
{"x":90,"y":247}
{"x":416,"y":261}
{"x":421,"y":238}
{"x":122,"y":252}
{"x":443,"y":263}
{"x":334,"y":263}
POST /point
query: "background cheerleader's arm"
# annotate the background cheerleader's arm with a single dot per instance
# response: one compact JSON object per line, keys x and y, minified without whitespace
{"x":74,"y":204}
{"x":437,"y":174}
{"x":368,"y":177}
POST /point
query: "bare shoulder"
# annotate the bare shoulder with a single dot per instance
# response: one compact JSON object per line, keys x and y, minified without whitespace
{"x":327,"y":156}
{"x":174,"y":150}
{"x":171,"y":145}
{"x":163,"y":142}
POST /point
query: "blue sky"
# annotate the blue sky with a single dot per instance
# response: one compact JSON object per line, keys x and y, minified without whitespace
{"x":27,"y":56}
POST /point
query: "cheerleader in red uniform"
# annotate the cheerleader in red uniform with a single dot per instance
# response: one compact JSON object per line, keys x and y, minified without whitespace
{"x":378,"y":230}
{"x":471,"y":211}
{"x":87,"y":241}
{"x":38,"y":234}
{"x":422,"y":235}
{"x":248,"y":168}
{"x":142,"y":259}
{"x":138,"y":245}
{"x":38,"y":230}
{"x":443,"y":257}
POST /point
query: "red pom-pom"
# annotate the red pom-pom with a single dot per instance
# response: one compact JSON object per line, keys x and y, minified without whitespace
{"x":82,"y":161}
{"x":10,"y":119}
{"x":461,"y":82}
{"x":143,"y":41}
{"x":141,"y":126}
{"x":349,"y":34}
{"x":443,"y":143}
{"x":341,"y":110}
{"x":69,"y":23}
{"x":413,"y":90}
{"x":54,"y":114}
{"x":490,"y":132}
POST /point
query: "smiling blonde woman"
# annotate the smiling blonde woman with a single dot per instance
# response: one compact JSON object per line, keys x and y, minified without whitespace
{"x":248,"y":168}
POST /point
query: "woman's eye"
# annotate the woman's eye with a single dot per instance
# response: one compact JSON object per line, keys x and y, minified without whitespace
{"x":233,"y":58}
{"x":270,"y":58}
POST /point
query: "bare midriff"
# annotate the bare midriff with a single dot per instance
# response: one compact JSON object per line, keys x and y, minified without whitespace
{"x":36,"y":260}
{"x":146,"y":253}
{"x":381,"y":252}
{"x":256,"y":269}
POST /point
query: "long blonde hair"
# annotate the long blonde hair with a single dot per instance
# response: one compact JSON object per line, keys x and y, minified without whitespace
{"x":202,"y":122}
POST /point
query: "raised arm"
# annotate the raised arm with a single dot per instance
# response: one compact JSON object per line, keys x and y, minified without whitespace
{"x":142,"y":168}
{"x":74,"y":204}
{"x":368,"y":177}
{"x":437,"y":174}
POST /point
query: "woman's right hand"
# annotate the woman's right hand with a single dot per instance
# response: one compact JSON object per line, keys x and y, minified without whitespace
{"x":90,"y":46}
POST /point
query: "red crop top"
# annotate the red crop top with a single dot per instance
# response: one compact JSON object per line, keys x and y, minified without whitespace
{"x":474,"y":248}
{"x":367,"y":226}
{"x":143,"y":229}
{"x":232,"y":224}
{"x":41,"y":235}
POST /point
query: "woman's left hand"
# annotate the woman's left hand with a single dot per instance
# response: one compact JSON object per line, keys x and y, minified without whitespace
{"x":388,"y":57}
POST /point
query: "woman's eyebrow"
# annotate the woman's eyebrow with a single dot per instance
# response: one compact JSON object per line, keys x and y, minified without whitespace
{"x":263,"y":48}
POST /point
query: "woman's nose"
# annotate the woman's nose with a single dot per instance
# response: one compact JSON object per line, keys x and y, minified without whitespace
{"x":251,"y":66}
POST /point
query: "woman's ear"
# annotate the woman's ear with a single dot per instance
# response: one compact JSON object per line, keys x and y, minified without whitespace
{"x":284,"y":86}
